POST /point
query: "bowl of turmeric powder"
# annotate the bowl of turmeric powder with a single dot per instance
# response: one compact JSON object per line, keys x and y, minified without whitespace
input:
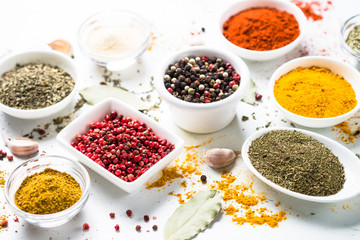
{"x":316,"y":91}
{"x":47,"y":191}
{"x":262,"y":29}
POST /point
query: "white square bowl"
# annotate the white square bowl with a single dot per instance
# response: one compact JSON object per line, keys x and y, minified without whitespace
{"x":97,"y":113}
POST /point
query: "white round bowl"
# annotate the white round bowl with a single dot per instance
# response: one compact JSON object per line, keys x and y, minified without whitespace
{"x":334,"y":65}
{"x":204,"y":117}
{"x":39,"y":164}
{"x":240,"y":6}
{"x":346,"y":157}
{"x":46,"y":57}
{"x":114,"y":18}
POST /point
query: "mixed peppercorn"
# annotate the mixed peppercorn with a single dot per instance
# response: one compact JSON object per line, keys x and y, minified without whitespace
{"x":125,"y":147}
{"x":201,"y":79}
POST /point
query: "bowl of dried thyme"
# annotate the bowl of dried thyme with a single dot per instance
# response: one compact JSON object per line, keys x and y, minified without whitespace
{"x":303,"y":164}
{"x":48,"y":191}
{"x":36,"y":84}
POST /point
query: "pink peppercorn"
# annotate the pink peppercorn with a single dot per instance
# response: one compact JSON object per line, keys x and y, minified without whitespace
{"x":10,"y":157}
{"x":129,"y":213}
{"x":138,"y":228}
{"x":86,"y":226}
{"x":125,"y":147}
{"x":117,"y":227}
{"x":112,"y":215}
{"x":4,"y":223}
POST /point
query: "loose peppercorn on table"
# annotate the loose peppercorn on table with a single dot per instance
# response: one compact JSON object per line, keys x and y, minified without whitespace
{"x":250,"y":208}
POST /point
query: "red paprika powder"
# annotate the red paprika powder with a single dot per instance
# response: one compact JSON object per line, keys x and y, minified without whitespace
{"x":261,"y":29}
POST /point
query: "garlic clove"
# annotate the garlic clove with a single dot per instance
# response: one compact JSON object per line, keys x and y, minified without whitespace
{"x":62,"y":46}
{"x":22,"y":146}
{"x":219,"y":157}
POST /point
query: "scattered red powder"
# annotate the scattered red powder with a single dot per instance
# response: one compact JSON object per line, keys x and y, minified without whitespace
{"x":313,"y":9}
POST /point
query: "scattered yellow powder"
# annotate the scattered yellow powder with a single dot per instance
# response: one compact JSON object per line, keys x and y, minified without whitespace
{"x":178,"y":195}
{"x":349,"y":130}
{"x":277,"y":204}
{"x":246,"y":209}
{"x":189,"y":194}
{"x":153,"y":38}
{"x":169,"y":174}
{"x":2,"y":178}
{"x":240,"y":200}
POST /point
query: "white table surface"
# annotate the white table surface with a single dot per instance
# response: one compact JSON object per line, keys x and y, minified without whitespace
{"x":33,"y":24}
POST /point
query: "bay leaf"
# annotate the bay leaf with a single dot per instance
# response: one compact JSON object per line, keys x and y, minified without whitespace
{"x":95,"y":94}
{"x":194,"y":216}
{"x":250,"y":94}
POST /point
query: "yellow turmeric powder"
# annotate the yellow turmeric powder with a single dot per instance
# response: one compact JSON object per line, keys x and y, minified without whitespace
{"x":314,"y":92}
{"x":240,"y":200}
{"x":243,"y":195}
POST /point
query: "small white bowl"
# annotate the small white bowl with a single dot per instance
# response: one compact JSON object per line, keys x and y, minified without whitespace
{"x":346,"y":70}
{"x":347,"y":158}
{"x":97,"y":113}
{"x":204,"y":117}
{"x":114,"y":18}
{"x":46,"y":57}
{"x":344,"y":33}
{"x":248,"y":4}
{"x":39,"y":164}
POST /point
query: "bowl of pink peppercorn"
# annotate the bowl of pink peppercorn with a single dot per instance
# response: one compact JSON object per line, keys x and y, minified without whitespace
{"x":121,"y":144}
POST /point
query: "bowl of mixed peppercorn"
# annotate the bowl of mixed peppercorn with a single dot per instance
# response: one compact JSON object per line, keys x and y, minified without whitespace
{"x":36,"y":84}
{"x":202,"y":87}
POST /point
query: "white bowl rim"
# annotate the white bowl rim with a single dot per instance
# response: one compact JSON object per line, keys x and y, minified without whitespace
{"x":125,"y":186}
{"x":230,"y":57}
{"x":62,"y":213}
{"x":299,"y":60}
{"x":322,"y":199}
{"x":301,"y":21}
{"x":51,"y":52}
{"x":144,"y":43}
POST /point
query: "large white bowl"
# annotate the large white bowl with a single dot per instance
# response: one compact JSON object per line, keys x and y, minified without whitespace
{"x":287,"y":6}
{"x":204,"y":117}
{"x":97,"y":113}
{"x":336,"y":66}
{"x":46,"y":57}
{"x":347,"y":158}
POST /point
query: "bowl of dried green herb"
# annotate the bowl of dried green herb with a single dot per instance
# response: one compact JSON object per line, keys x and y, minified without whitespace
{"x":36,"y":84}
{"x":303,"y":164}
{"x":350,"y":37}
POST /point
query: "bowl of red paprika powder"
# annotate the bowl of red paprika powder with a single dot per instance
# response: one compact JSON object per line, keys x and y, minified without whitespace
{"x":262,"y":30}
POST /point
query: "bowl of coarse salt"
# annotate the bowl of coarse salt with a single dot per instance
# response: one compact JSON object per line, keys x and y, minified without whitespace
{"x":114,"y":39}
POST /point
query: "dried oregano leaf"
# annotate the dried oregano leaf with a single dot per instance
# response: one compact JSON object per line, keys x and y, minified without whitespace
{"x":95,"y":94}
{"x":193,"y":217}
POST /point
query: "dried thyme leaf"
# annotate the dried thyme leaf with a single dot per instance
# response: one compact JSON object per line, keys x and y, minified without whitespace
{"x":194,"y":216}
{"x":35,"y":86}
{"x":95,"y":94}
